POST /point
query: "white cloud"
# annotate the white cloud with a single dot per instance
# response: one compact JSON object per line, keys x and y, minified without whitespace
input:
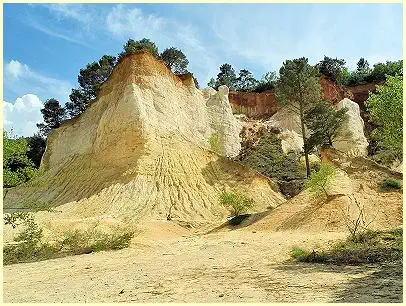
{"x":20,"y":79}
{"x":15,"y":69}
{"x":23,"y":115}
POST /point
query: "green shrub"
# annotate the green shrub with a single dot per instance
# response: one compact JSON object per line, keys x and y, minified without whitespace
{"x":320,"y":181}
{"x":213,"y":141}
{"x":299,"y":253}
{"x":384,"y":157}
{"x":236,"y":202}
{"x":38,"y":205}
{"x":267,"y":157}
{"x":28,"y":246}
{"x":366,"y":247}
{"x":390,"y":184}
{"x":93,"y":241}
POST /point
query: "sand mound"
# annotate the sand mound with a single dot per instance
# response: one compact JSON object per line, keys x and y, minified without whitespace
{"x":149,"y":145}
{"x":356,"y":185}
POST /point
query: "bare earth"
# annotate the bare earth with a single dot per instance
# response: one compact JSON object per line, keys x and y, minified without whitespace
{"x":236,"y":266}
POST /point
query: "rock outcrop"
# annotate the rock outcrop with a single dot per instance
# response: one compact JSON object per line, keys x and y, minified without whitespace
{"x":253,"y":104}
{"x":142,"y":149}
{"x":351,"y":139}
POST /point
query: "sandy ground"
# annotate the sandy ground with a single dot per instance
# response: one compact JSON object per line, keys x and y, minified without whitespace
{"x":236,"y":266}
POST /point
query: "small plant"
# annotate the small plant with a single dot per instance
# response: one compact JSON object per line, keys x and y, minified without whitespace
{"x":213,"y":141}
{"x":298,"y":253}
{"x":320,"y":181}
{"x":28,"y":247}
{"x":366,"y":247}
{"x":77,"y":242}
{"x":38,"y":206}
{"x":357,"y":226}
{"x":236,"y":202}
{"x":391,"y":184}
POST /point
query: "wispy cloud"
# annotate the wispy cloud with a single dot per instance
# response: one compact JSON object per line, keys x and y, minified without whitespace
{"x":55,"y":33}
{"x":20,"y":78}
{"x":77,"y":12}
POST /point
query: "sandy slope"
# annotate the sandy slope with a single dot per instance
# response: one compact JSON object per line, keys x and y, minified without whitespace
{"x":237,"y":266}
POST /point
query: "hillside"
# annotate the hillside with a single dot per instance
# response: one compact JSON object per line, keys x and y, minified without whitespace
{"x":142,"y":150}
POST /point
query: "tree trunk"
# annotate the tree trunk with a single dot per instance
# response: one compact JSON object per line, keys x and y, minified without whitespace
{"x":304,"y":139}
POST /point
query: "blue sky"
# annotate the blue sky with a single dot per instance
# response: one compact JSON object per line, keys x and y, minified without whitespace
{"x":45,"y":45}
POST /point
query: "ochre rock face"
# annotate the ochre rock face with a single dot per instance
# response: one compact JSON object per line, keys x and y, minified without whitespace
{"x":333,"y":92}
{"x":252,"y":104}
{"x":263,"y":105}
{"x":142,"y":149}
{"x":360,"y":92}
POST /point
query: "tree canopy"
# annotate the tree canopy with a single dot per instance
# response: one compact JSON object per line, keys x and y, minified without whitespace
{"x":226,"y":77}
{"x":245,"y":81}
{"x":386,"y":110}
{"x":90,"y":80}
{"x":133,"y":46}
{"x":299,"y":89}
{"x":175,"y":59}
{"x":17,"y":167}
{"x":54,"y":114}
{"x":324,"y":124}
{"x":331,"y":67}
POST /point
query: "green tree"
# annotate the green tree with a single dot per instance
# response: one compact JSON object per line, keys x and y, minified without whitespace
{"x":54,"y":114}
{"x":381,"y":70}
{"x":196,"y":81}
{"x":212,"y":83}
{"x":320,"y":181}
{"x":133,"y":46}
{"x":37,"y":146}
{"x":331,"y":67}
{"x":299,"y":88}
{"x":386,"y":110}
{"x":17,"y":167}
{"x":245,"y":81}
{"x":226,"y":77}
{"x":324,"y":124}
{"x":175,"y":59}
{"x":343,"y":77}
{"x":362,"y":64}
{"x":90,"y":80}
{"x":268,"y":82}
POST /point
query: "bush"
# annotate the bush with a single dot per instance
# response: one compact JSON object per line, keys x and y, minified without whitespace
{"x":236,"y":202}
{"x":299,"y":253}
{"x":366,"y":247}
{"x":29,"y":247}
{"x":267,"y":157}
{"x":384,"y":157}
{"x":213,"y":141}
{"x":320,"y":181}
{"x":390,"y":184}
{"x":92,"y":241}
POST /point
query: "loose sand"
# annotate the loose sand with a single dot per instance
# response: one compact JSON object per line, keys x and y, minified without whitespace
{"x":234,"y":266}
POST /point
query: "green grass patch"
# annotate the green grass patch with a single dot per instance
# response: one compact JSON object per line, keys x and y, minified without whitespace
{"x":366,"y":247}
{"x":391,"y":184}
{"x":28,"y":245}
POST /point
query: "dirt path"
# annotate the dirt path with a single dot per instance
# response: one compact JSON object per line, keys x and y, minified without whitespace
{"x":238,"y":266}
